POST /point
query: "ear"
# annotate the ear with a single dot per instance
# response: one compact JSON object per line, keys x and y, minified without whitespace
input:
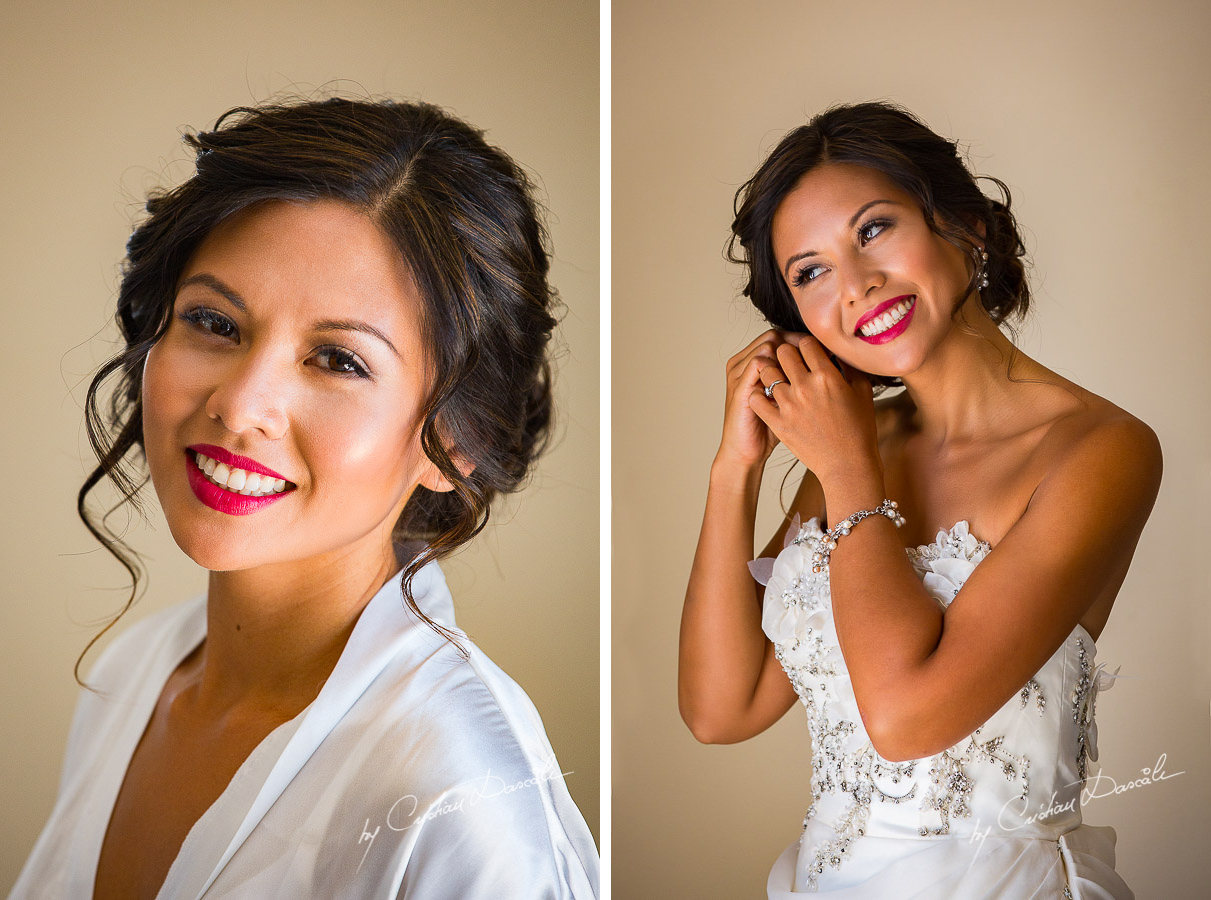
{"x":434,"y":480}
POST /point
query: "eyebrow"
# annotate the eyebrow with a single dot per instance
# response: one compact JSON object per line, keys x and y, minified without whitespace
{"x":232,"y":295}
{"x":852,"y":221}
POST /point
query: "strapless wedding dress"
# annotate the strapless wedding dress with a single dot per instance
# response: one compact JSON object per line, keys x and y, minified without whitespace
{"x":997,"y":815}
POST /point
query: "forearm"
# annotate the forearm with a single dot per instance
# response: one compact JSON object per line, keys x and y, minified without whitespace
{"x":722,"y":646}
{"x":888,"y":625}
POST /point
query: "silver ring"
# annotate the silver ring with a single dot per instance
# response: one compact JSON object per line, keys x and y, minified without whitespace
{"x":769,"y":391}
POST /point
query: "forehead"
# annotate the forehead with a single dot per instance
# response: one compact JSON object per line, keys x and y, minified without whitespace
{"x":822,"y":202}
{"x":324,"y":257}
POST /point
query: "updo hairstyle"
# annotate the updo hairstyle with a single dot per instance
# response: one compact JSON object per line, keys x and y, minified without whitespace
{"x":891,"y":140}
{"x":465,"y":219}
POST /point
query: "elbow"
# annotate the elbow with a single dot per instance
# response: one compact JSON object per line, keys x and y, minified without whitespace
{"x":900,"y":737}
{"x":706,"y":729}
{"x":892,"y":740}
{"x":704,"y":735}
{"x":703,"y":730}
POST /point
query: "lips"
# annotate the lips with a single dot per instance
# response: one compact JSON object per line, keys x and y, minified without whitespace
{"x":879,"y":310}
{"x":235,"y":461}
{"x":223,"y":500}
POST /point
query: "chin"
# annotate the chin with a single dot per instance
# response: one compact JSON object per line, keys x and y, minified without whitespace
{"x":217,"y":545}
{"x":895,"y":365}
{"x":215,"y":553}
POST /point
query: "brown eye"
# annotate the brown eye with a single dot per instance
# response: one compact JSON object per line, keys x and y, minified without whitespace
{"x":871,"y":230}
{"x":340,"y":362}
{"x":210,"y":321}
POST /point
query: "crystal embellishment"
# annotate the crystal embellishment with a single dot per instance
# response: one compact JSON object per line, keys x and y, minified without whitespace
{"x":1090,"y":680}
{"x":797,"y":618}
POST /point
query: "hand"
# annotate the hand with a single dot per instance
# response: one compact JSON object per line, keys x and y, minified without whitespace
{"x":747,"y":440}
{"x":824,"y":415}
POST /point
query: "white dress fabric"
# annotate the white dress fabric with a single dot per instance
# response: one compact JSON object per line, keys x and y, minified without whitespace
{"x":413,"y":774}
{"x":997,"y":815}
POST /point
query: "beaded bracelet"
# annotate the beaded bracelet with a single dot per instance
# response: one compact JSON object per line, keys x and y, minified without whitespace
{"x":829,"y":542}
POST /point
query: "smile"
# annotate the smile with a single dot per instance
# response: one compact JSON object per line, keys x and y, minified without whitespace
{"x":234,"y":491}
{"x":889,"y":324}
{"x":238,"y":481}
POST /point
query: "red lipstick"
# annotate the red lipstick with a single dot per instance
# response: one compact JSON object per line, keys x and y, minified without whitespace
{"x":234,"y":461}
{"x":891,"y":333}
{"x":223,"y":500}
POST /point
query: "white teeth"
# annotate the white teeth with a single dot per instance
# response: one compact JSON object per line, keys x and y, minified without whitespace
{"x":250,"y":484}
{"x":881,"y":323}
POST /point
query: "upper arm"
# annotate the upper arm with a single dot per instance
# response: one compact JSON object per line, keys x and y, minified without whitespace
{"x":1026,"y":597}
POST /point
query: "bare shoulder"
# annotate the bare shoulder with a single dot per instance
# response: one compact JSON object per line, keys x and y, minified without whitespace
{"x":1100,"y":427}
{"x":1099,"y":439}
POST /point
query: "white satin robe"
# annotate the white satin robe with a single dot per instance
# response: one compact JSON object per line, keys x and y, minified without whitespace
{"x":413,"y":774}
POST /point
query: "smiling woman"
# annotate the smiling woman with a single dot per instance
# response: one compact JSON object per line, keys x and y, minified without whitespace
{"x":336,"y":358}
{"x":947,"y":672}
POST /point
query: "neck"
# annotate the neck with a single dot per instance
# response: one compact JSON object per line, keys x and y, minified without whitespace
{"x":275,"y":633}
{"x":963,"y":392}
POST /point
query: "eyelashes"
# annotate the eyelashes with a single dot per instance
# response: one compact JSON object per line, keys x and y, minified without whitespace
{"x":803,"y":275}
{"x":341,"y":362}
{"x":204,"y":318}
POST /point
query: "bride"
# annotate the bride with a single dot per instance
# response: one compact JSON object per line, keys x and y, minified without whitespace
{"x":335,"y":361}
{"x":945,"y":658}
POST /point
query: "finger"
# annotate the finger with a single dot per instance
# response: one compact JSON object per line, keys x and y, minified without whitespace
{"x":863,"y":385}
{"x":815,"y":355}
{"x":766,"y":409}
{"x":791,"y":361}
{"x":770,"y":336}
{"x":859,"y":381}
{"x":771,"y":374}
{"x":752,"y":377}
{"x":760,"y":350}
{"x":743,"y":374}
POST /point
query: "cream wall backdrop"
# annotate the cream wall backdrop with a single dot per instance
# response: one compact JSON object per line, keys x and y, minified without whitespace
{"x":1096,"y":115}
{"x":95,"y":98}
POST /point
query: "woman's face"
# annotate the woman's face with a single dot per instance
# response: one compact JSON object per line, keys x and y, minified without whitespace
{"x":294,"y":343}
{"x":856,"y":254}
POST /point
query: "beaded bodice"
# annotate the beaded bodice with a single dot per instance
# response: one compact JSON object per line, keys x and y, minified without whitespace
{"x":1020,"y":773}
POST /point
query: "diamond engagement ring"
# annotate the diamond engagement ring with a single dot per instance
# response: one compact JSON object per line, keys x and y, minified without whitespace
{"x":769,"y":391}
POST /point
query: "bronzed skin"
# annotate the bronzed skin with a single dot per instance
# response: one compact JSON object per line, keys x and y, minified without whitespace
{"x":1058,"y":480}
{"x":288,"y":582}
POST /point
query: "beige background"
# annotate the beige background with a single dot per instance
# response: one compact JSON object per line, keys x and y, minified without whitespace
{"x":1097,"y":117}
{"x":95,"y":95}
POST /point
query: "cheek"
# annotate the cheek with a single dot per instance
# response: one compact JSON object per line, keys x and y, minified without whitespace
{"x":821,"y":321}
{"x":365,"y":442}
{"x":946,"y":261}
{"x":166,"y":395}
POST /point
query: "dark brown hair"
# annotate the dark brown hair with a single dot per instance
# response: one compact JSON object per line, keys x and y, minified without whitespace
{"x":465,"y":219}
{"x":891,"y":140}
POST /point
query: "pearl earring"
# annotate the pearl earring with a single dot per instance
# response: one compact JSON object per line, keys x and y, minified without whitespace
{"x":983,"y":269}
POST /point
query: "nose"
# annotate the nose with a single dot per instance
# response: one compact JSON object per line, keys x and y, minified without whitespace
{"x":863,"y":275}
{"x":250,"y":394}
